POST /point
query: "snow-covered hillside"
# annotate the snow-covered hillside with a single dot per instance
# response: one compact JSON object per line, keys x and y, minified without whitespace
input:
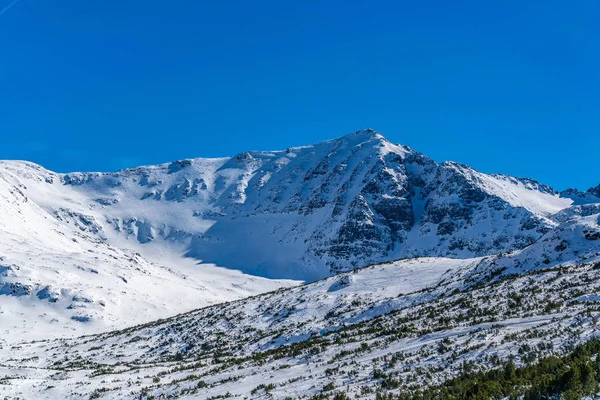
{"x":386,"y":328}
{"x":462,"y":267}
{"x":414,"y":321}
{"x":59,"y":275}
{"x":83,"y":252}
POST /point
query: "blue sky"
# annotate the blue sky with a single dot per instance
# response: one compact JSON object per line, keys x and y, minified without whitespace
{"x":504,"y":86}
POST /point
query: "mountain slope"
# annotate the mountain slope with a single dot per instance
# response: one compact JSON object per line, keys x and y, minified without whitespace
{"x":172,"y":237}
{"x":306,"y":212}
{"x":60,"y":276}
{"x":392,"y":328}
{"x":467,"y":270}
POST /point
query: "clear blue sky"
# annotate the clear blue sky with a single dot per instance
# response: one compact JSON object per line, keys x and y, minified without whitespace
{"x":504,"y":86}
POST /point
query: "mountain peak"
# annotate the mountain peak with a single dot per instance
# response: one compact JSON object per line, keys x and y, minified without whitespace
{"x":595,"y":191}
{"x":363,"y":135}
{"x":372,"y":139}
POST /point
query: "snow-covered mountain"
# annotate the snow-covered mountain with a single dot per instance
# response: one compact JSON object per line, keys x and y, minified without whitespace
{"x":388,"y":329}
{"x":80,"y":248}
{"x":59,"y":275}
{"x":307,"y":212}
{"x":463,"y":268}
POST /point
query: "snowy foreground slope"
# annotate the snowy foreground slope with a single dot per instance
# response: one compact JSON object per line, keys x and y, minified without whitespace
{"x":381,"y":328}
{"x":86,"y":252}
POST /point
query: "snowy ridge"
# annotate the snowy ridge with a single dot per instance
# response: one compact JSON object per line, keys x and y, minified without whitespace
{"x":464,"y":267}
{"x":60,"y":276}
{"x":173,"y":237}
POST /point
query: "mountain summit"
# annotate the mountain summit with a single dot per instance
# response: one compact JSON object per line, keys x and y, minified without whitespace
{"x":307,"y":212}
